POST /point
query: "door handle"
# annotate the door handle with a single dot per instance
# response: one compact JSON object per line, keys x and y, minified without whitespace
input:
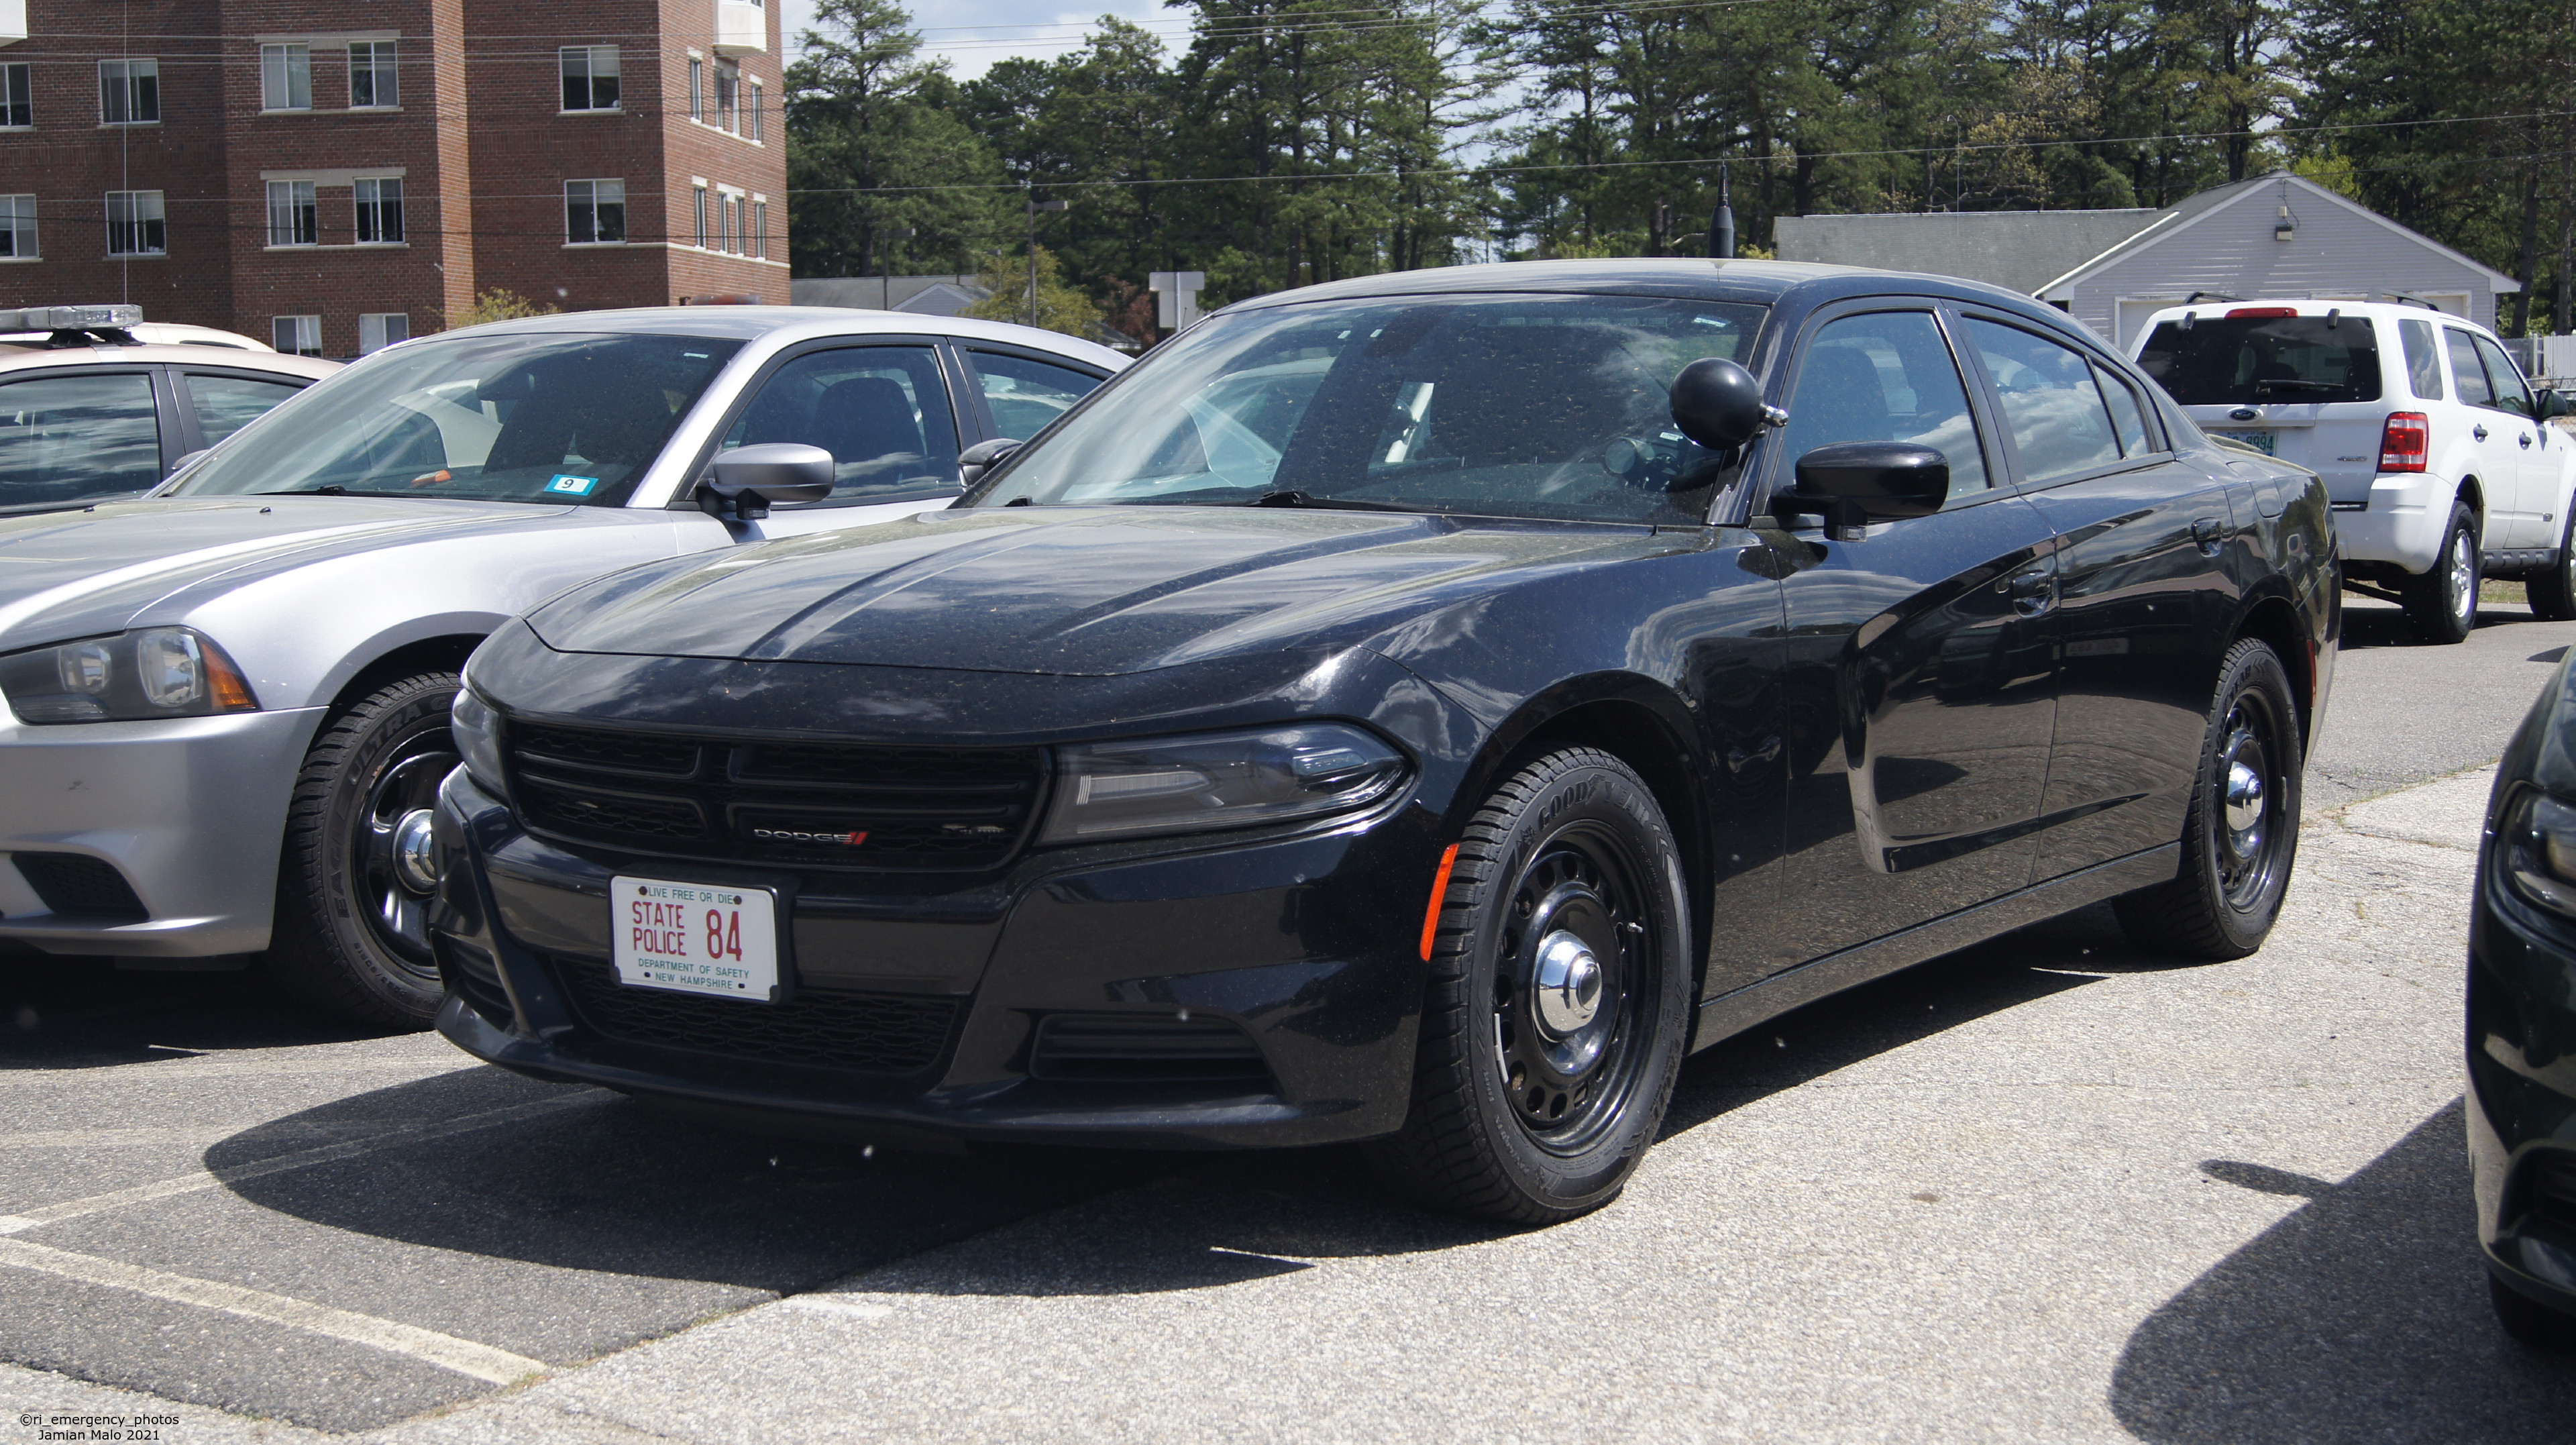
{"x":2480,"y":432}
{"x":1738,"y":758}
{"x":2209,"y":533}
{"x":2032,"y":590}
{"x":2526,"y":441}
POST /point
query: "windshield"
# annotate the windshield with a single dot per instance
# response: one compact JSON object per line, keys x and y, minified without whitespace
{"x":1530,"y":406}
{"x":548,"y":417}
{"x":2252,"y":361}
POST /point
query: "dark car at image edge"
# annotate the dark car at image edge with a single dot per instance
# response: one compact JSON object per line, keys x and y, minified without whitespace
{"x":1415,"y":710}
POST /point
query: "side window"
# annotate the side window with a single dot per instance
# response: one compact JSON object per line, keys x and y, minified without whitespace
{"x":881,"y":411}
{"x":1025,"y":395}
{"x":2512,"y":393}
{"x":226,"y":404}
{"x":1884,"y":377}
{"x":2126,"y":416}
{"x":2465,"y":370}
{"x":2423,"y":367}
{"x":2058,"y":421}
{"x":65,"y":438}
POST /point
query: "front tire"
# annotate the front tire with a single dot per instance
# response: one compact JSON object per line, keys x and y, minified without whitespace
{"x":352,"y":905}
{"x":2553,"y":593}
{"x":2240,"y":836}
{"x":2443,"y":602}
{"x":1559,"y":999}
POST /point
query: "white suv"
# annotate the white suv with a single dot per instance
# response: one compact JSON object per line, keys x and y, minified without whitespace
{"x":2439,"y":457}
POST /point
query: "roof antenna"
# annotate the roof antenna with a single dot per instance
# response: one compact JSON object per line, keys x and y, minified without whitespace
{"x":1721,"y":222}
{"x":2334,"y":317}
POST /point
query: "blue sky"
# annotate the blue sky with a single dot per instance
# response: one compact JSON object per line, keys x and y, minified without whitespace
{"x":972,"y":34}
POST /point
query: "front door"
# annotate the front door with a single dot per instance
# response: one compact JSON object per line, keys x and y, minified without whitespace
{"x":2535,"y":447}
{"x":884,"y":413}
{"x":1918,"y":679}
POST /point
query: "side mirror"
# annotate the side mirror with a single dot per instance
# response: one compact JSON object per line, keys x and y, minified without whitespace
{"x":982,"y":457}
{"x":1718,"y":404}
{"x":1855,"y":483}
{"x":2553,"y":404}
{"x":742,"y":483}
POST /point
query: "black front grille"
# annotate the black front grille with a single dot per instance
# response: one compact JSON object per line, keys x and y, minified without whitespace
{"x":2553,"y":1188}
{"x":883,"y":1035}
{"x":1146,"y":1048}
{"x":794,"y":804}
{"x":77,"y":885}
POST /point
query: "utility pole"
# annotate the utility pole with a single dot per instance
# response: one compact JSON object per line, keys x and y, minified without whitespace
{"x":1028,"y":191}
{"x":1721,"y":223}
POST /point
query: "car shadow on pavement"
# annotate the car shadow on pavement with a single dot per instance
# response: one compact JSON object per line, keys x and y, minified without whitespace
{"x":2371,"y":623}
{"x":2361,"y":1316}
{"x":60,"y":1012}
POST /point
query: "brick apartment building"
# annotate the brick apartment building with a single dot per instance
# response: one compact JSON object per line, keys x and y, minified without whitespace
{"x":336,"y":176}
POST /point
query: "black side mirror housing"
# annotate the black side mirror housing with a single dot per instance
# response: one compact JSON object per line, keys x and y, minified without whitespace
{"x":982,"y":457}
{"x":1852,"y":484}
{"x":742,"y":484}
{"x":1718,"y":404}
{"x":2553,"y":404}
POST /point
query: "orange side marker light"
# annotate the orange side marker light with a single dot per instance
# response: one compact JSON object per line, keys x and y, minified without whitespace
{"x":1439,"y":893}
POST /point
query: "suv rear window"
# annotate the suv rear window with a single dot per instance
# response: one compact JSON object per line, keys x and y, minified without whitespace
{"x":2253,"y":360}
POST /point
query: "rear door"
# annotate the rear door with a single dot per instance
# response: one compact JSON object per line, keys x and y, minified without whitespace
{"x":1020,"y":395}
{"x":1918,"y":682}
{"x":215,"y":402}
{"x":82,"y":434}
{"x":2144,"y":589}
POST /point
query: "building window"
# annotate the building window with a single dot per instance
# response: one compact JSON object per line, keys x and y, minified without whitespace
{"x":17,"y":103}
{"x":700,"y":194}
{"x":760,"y":229}
{"x":589,"y":77}
{"x":594,"y":211}
{"x":18,"y":228}
{"x":380,"y":221}
{"x":729,"y":97}
{"x":291,"y":217}
{"x":134,"y":224}
{"x":286,"y":77}
{"x":129,"y":92}
{"x":372,"y":81}
{"x":754,"y":117}
{"x":296,"y":335}
{"x":378,"y":330}
{"x":697,"y":89}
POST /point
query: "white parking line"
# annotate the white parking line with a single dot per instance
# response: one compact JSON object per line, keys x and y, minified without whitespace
{"x":278,"y":1164}
{"x":465,"y":1357}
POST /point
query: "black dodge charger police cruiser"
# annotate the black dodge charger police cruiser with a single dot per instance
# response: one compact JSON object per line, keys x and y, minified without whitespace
{"x":1418,"y":709}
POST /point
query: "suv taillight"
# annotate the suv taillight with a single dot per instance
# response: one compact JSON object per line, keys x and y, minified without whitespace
{"x":2406,"y":442}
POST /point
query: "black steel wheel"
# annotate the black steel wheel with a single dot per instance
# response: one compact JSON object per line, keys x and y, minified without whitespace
{"x":2241,"y":833}
{"x":2443,"y":603}
{"x":2553,"y":593}
{"x":354,"y":885}
{"x":1558,"y":1001}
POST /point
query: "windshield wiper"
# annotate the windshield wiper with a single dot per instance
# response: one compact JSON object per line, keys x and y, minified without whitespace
{"x":1291,"y":497}
{"x":2283,"y":382}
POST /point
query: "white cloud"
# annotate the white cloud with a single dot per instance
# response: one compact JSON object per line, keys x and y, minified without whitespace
{"x":972,"y":34}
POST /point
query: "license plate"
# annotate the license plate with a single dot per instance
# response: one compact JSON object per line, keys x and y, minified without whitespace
{"x":694,"y":938}
{"x":2261,"y":441}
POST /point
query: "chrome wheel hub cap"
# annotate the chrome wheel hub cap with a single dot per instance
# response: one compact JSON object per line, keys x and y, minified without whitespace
{"x":2244,"y":809}
{"x":1567,"y":983}
{"x":415,"y":850}
{"x":2464,"y":594}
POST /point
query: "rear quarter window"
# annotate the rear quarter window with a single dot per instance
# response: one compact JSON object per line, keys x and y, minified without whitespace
{"x":2256,"y":361}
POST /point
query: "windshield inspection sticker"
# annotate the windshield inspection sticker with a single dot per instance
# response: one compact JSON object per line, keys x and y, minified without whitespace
{"x":572,"y":486}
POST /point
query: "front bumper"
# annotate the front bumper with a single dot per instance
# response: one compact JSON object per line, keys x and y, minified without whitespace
{"x":2522,"y":1092}
{"x":2403,"y":524}
{"x":1305,"y":942}
{"x":191,"y":812}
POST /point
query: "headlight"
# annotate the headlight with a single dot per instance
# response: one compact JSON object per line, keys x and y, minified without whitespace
{"x":1217,"y":780}
{"x":155,"y":672}
{"x":2540,"y":851}
{"x":478,"y":738}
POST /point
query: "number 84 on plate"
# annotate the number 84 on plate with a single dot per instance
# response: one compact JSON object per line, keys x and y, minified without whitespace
{"x":695,"y":938}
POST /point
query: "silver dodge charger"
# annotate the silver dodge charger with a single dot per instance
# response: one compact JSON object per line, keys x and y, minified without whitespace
{"x":228,"y":701}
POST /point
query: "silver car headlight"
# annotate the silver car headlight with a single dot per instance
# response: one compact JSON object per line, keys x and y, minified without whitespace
{"x":1217,"y":780}
{"x":478,"y":739}
{"x":2539,"y":838}
{"x":153,"y":672}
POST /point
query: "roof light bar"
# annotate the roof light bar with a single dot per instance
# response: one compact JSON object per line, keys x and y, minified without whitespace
{"x":71,"y":318}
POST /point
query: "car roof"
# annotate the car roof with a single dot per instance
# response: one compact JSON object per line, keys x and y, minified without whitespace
{"x":1762,"y":282}
{"x":2215,"y":310}
{"x":799,"y":323}
{"x":22,"y":356}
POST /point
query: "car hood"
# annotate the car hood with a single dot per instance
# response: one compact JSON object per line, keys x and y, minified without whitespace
{"x":83,"y":573}
{"x":1070,"y":591}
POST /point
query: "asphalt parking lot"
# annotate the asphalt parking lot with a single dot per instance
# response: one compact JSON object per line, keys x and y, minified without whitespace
{"x":2049,"y":1189}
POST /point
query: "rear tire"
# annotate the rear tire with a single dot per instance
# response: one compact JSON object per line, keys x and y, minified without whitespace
{"x":351,"y":933}
{"x":1533,"y":1103}
{"x":2528,"y":1322}
{"x":2553,"y":593}
{"x":2240,"y":837}
{"x":2443,"y":602}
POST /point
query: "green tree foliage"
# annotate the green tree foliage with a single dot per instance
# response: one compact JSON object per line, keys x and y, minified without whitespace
{"x":1059,"y":307}
{"x":1287,"y":142}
